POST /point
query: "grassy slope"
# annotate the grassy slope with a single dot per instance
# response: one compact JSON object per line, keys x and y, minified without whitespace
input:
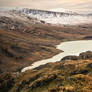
{"x":63,"y":76}
{"x":17,"y":49}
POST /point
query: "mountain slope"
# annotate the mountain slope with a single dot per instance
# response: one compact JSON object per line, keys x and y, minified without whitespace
{"x":64,"y":76}
{"x":25,"y":40}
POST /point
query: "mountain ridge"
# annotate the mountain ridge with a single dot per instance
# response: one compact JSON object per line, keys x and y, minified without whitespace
{"x":63,"y":18}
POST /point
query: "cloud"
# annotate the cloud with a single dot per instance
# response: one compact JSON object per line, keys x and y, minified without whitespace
{"x":49,"y":4}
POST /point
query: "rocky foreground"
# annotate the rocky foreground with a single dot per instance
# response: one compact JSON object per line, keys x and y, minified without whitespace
{"x":73,"y":75}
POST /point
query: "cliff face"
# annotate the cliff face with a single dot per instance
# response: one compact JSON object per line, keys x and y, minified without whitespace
{"x":63,"y":76}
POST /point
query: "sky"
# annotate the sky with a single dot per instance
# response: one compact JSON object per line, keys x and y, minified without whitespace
{"x":74,"y":5}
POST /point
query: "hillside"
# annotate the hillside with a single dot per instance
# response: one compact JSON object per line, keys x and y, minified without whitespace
{"x":24,"y":40}
{"x":64,"y":76}
{"x":23,"y":45}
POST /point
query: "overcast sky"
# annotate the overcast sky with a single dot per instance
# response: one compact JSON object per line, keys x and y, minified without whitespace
{"x":75,"y":5}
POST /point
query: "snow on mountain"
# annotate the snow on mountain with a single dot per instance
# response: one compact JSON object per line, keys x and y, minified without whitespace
{"x":61,"y":10}
{"x":53,"y":16}
{"x":15,"y":14}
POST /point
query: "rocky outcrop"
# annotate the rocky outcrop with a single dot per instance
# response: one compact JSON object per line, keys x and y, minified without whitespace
{"x":84,"y":55}
{"x":71,"y":58}
{"x":88,"y":37}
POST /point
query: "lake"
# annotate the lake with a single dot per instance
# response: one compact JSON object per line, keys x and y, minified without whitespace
{"x":69,"y":48}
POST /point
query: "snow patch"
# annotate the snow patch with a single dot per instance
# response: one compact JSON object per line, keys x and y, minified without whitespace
{"x":60,"y":10}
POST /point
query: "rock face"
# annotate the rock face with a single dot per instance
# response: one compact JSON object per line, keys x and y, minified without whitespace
{"x":84,"y":55}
